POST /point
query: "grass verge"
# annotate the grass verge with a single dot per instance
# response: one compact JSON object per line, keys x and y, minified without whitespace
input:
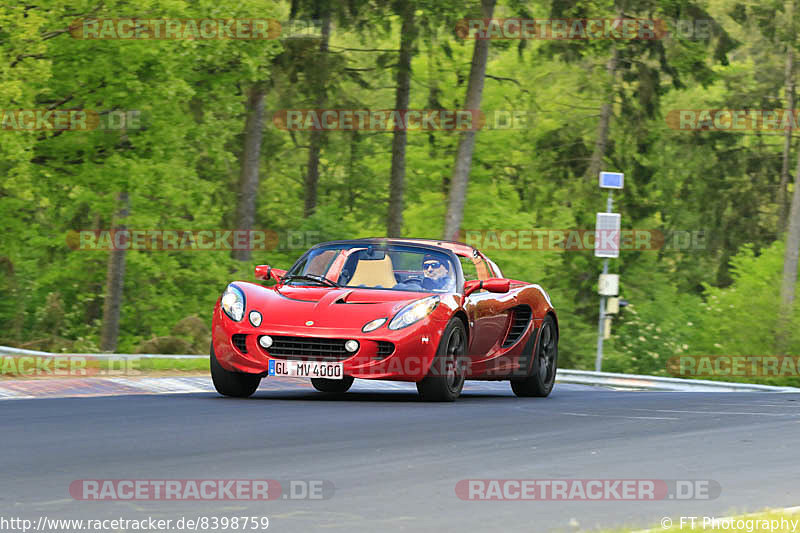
{"x":71,"y":366}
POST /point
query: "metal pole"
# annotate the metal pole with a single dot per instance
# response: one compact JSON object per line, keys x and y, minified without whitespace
{"x":598,"y":363}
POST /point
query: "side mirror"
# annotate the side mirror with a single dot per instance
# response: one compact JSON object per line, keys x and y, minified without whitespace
{"x":499,"y":285}
{"x":471,"y":286}
{"x":263,"y":271}
{"x":266,"y":272}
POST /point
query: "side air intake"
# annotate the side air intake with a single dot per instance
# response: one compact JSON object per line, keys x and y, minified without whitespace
{"x":240,"y":341}
{"x":520,"y":318}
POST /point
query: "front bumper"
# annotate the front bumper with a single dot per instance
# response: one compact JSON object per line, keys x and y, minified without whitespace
{"x":414,"y":347}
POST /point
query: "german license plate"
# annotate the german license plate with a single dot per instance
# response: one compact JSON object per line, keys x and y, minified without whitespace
{"x":306,"y":369}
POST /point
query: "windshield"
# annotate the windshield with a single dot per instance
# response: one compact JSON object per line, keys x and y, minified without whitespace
{"x":374,"y":266}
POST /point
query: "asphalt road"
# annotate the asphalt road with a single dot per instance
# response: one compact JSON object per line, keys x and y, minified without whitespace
{"x":395,"y":461}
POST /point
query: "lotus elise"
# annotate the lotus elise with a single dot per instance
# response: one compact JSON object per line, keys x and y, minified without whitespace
{"x":434,"y":313}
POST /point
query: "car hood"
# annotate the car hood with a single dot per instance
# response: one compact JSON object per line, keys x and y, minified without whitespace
{"x":326,"y":307}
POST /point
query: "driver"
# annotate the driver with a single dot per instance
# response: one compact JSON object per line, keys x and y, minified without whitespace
{"x":436,"y":272}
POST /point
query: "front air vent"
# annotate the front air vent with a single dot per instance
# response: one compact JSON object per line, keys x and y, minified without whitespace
{"x":385,"y":349}
{"x":520,"y":318}
{"x":309,"y":349}
{"x":240,"y":341}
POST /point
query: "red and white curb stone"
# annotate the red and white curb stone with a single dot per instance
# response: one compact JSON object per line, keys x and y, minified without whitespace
{"x":25,"y":389}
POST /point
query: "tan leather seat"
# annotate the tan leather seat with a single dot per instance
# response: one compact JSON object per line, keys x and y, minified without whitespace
{"x":374,"y":273}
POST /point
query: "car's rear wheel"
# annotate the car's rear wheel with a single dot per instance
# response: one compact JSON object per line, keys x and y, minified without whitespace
{"x":332,"y":385}
{"x":545,"y":363}
{"x":236,"y":384}
{"x":445,"y":379}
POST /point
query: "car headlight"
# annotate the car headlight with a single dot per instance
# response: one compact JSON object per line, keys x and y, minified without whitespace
{"x":233,"y":302}
{"x":373,"y":325}
{"x":414,"y":312}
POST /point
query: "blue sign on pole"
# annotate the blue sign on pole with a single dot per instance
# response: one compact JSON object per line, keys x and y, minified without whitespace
{"x":612,"y":180}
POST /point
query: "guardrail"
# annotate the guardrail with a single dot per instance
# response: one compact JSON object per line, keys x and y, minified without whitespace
{"x":657,"y":383}
{"x":7,"y":350}
{"x":582,"y":377}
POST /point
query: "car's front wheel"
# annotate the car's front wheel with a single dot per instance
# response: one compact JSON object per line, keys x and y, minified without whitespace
{"x":336,"y":386}
{"x":445,"y":379}
{"x":543,"y":375}
{"x":236,"y":384}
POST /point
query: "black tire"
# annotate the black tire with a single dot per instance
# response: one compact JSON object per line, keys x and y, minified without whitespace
{"x":336,"y":386}
{"x":545,"y":364}
{"x":445,"y":378}
{"x":235,"y":384}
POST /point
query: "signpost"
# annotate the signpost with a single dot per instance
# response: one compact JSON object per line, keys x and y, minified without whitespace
{"x":606,"y":235}
{"x":612,"y":180}
{"x":608,"y":285}
{"x":606,"y":245}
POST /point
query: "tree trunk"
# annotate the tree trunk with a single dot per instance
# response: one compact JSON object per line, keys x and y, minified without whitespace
{"x":251,"y":161}
{"x":394,"y":224}
{"x":355,"y":139}
{"x":466,"y":142}
{"x":790,"y":255}
{"x":115,"y":278}
{"x":596,"y":162}
{"x":790,"y":267}
{"x":787,"y":142}
{"x":9,"y":284}
{"x":315,"y":143}
{"x":433,"y":101}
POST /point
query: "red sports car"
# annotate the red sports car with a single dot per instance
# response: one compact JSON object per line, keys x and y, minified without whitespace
{"x":432,"y":312}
